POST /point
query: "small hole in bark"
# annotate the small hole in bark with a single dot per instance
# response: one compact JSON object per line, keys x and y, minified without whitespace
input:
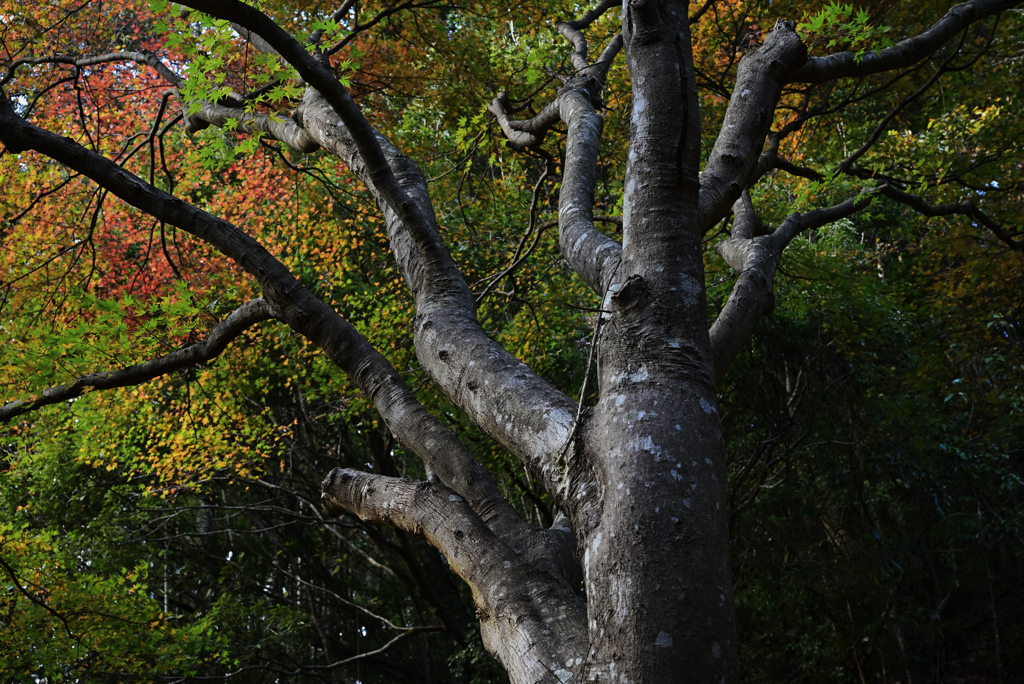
{"x":459,"y":535}
{"x":472,"y":385}
{"x":443,"y":354}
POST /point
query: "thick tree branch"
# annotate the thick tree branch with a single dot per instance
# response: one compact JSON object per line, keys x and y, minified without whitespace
{"x":505,"y":398}
{"x":242,"y":318}
{"x":593,"y":255}
{"x":533,"y":622}
{"x":579,"y":44}
{"x":604,"y":62}
{"x":748,"y":119}
{"x":805,"y":114}
{"x":795,"y":223}
{"x":903,"y":54}
{"x":523,"y":134}
{"x":750,"y":252}
{"x":273,"y":126}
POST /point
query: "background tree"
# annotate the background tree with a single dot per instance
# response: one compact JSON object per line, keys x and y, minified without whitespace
{"x":886,"y":492}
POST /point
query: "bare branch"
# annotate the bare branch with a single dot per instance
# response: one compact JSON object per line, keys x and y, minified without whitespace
{"x":390,"y":10}
{"x":422,"y":508}
{"x":888,"y":188}
{"x":900,"y":106}
{"x":13,"y":574}
{"x":533,"y":622}
{"x":795,"y":223}
{"x":966,"y":208}
{"x":242,"y":318}
{"x":144,"y":57}
{"x":903,"y":54}
{"x":531,"y":229}
{"x":593,"y":15}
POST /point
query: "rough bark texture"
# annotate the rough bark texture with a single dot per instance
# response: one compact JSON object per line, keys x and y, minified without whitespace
{"x":640,"y":476}
{"x":762,"y":73}
{"x":655,"y":438}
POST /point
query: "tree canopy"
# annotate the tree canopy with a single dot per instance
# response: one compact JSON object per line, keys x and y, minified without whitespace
{"x":478,"y":263}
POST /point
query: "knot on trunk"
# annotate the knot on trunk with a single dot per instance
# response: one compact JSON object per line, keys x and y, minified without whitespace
{"x":330,"y":488}
{"x":644,"y":22}
{"x":630,"y":296}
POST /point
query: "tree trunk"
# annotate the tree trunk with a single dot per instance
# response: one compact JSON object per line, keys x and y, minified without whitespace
{"x":659,"y":591}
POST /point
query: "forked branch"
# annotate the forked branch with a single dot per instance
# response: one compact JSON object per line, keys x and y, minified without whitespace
{"x":589,"y":252}
{"x":754,"y":252}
